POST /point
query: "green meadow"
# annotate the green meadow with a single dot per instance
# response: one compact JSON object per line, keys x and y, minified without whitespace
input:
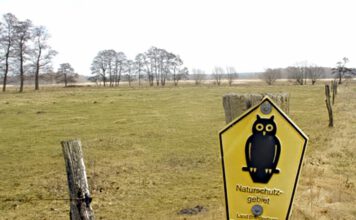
{"x":151,"y":152}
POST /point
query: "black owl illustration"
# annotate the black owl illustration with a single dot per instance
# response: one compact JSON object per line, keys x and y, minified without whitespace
{"x":262,"y":150}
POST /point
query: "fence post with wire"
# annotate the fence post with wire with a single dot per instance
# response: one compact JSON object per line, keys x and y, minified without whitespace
{"x":80,"y":199}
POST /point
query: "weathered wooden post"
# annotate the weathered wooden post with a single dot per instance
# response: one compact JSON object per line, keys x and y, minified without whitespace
{"x":335,"y":87}
{"x":328,"y":105}
{"x":80,"y":208}
{"x":334,"y":90}
{"x":235,"y":103}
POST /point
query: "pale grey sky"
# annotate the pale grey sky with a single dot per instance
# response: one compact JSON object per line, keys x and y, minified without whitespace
{"x":250,"y":35}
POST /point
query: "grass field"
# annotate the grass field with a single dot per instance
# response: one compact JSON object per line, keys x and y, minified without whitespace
{"x":151,"y":152}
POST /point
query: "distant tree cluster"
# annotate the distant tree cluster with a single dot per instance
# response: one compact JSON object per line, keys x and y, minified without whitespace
{"x":300,"y":73}
{"x":229,"y":74}
{"x":156,"y":66}
{"x":303,"y":72}
{"x":271,"y":75}
{"x":65,"y":74}
{"x":24,"y":50}
{"x":218,"y":75}
{"x":198,"y":76}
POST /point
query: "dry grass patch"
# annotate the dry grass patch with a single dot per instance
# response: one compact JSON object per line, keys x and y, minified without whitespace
{"x":151,"y":152}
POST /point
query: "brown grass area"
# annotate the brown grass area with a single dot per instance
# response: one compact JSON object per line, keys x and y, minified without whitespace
{"x":327,"y":188}
{"x":151,"y":152}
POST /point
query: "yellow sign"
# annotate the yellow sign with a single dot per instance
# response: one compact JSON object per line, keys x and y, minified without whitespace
{"x":262,"y":153}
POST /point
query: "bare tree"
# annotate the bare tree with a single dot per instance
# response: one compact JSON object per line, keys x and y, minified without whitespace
{"x":198,"y":76}
{"x":120,"y":66}
{"x":315,"y":72}
{"x":218,"y":73}
{"x":22,"y":37}
{"x":160,"y":64}
{"x":139,"y":66}
{"x":149,"y":68}
{"x":177,"y":73}
{"x":182,"y":74}
{"x":231,"y":74}
{"x":105,"y":62}
{"x":7,"y":36}
{"x":157,"y":63}
{"x":341,"y":70}
{"x":98,"y":68}
{"x":298,"y":73}
{"x":129,"y":71}
{"x":110,"y":56}
{"x":271,"y":75}
{"x":49,"y":77}
{"x":65,"y":73}
{"x":42,"y":53}
{"x":163,"y":67}
{"x":153,"y":55}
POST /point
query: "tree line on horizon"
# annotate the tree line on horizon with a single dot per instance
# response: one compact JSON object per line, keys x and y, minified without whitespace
{"x":156,"y":66}
{"x":25,"y":54}
{"x":302,"y":72}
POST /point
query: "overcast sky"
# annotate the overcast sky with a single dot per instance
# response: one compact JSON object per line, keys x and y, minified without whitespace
{"x":250,"y":35}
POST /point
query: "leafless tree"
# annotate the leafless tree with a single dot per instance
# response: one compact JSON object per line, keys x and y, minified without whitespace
{"x":231,"y":74}
{"x":23,"y":30}
{"x":49,"y":77}
{"x":149,"y":67}
{"x":42,"y":53}
{"x":271,"y":75}
{"x":129,"y":71}
{"x":198,"y":76}
{"x":120,"y":66}
{"x":66,"y":74}
{"x":139,"y":66}
{"x":106,"y":62}
{"x":7,"y":42}
{"x":182,"y":74}
{"x":110,"y":59}
{"x":294,"y":74}
{"x":298,"y":73}
{"x":341,"y":70}
{"x":158,"y":64}
{"x":98,"y":67}
{"x":218,"y":73}
{"x":152,"y":64}
{"x":164,"y":65}
{"x":177,"y":72}
{"x":315,"y":72}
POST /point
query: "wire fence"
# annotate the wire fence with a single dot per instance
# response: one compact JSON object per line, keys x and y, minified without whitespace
{"x":24,"y":200}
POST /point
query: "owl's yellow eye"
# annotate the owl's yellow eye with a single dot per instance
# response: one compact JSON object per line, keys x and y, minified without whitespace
{"x":259,"y":127}
{"x":269,"y":128}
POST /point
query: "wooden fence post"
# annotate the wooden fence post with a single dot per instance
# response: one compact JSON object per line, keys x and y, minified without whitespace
{"x":80,"y":208}
{"x":235,"y":104}
{"x":328,"y":105}
{"x":334,"y":90}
